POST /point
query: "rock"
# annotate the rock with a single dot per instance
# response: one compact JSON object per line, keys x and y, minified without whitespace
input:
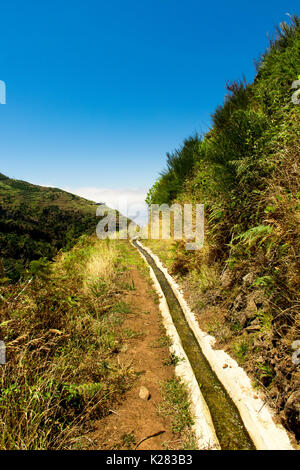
{"x":239,"y":302}
{"x":227,"y":279}
{"x":243,"y":319}
{"x":253,"y":327}
{"x":56,"y":332}
{"x":251,"y":308}
{"x":292,"y":412}
{"x":293,"y":402}
{"x":257,"y":343}
{"x":273,"y":392}
{"x":260,"y":359}
{"x":248,"y":309}
{"x":144,"y":393}
{"x":248,"y":279}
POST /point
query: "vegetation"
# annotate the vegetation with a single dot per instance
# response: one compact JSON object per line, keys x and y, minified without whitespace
{"x":62,"y":331}
{"x":61,"y":320}
{"x":176,"y":404}
{"x":65,"y":338}
{"x":246,"y":172}
{"x":36,"y":222}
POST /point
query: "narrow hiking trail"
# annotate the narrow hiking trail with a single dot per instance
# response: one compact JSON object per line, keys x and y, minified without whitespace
{"x":136,"y":418}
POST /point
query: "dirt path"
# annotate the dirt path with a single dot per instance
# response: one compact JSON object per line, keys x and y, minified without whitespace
{"x":137,"y":418}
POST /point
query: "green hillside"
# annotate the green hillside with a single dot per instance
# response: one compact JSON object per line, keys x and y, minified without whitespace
{"x":244,"y":284}
{"x":37,"y":221}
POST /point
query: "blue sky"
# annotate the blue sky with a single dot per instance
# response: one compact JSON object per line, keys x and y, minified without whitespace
{"x":98,"y":91}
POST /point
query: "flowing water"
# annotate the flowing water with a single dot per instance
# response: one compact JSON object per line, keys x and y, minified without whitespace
{"x":229,"y":428}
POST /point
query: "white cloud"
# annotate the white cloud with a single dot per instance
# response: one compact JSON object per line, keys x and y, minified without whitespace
{"x":130,"y":202}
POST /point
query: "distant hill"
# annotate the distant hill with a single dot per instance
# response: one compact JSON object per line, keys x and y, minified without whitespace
{"x":37,"y":221}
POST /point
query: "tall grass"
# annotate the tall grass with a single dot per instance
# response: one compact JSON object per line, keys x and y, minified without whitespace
{"x":61,"y":334}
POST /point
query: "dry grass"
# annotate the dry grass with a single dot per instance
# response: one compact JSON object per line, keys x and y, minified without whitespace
{"x":101,"y":265}
{"x":61,"y":340}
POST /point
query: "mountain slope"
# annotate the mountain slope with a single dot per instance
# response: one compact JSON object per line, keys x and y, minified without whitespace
{"x":244,"y":283}
{"x":37,"y":221}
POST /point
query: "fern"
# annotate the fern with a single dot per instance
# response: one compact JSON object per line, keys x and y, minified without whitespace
{"x":255,"y":235}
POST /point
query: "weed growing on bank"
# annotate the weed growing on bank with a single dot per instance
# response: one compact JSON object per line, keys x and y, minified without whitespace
{"x":244,"y":283}
{"x":62,"y":332}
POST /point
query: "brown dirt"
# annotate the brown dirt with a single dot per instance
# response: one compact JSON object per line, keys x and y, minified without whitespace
{"x":135,"y":416}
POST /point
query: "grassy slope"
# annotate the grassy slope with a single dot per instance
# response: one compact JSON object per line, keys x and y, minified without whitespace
{"x":63,"y":335}
{"x":244,"y":284}
{"x":61,"y":332}
{"x":36,"y":222}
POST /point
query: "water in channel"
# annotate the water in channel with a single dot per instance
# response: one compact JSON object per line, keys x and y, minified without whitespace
{"x":229,"y":428}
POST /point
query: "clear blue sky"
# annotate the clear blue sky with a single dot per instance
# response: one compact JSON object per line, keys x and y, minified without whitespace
{"x":98,"y":91}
